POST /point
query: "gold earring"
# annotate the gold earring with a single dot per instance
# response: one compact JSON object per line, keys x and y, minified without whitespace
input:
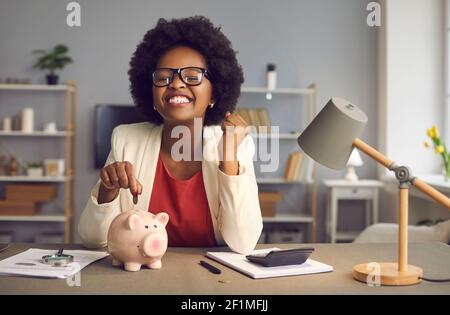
{"x":211,"y":104}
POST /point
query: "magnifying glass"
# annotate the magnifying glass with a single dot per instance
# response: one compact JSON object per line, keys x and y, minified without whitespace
{"x":58,"y":260}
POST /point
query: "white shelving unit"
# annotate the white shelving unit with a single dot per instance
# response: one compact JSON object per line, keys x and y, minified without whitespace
{"x":42,"y":179}
{"x":69,"y":87}
{"x":279,"y":136}
{"x":69,"y":137}
{"x":34,"y":134}
{"x":308,"y":96}
{"x":34,"y":218}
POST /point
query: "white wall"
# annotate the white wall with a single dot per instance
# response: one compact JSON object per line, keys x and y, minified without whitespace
{"x":411,"y":89}
{"x":412,"y":81}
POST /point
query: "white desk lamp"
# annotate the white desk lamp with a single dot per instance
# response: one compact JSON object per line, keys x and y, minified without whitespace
{"x":329,"y":139}
{"x":354,"y":161}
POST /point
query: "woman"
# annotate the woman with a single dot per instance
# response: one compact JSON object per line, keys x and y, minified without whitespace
{"x":185,"y":79}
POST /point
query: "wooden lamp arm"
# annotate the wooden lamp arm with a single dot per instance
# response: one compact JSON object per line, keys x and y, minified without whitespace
{"x":418,"y":183}
{"x":431,"y":192}
{"x":374,"y":154}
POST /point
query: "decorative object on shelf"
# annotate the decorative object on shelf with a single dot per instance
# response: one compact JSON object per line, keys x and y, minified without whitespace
{"x":15,"y":81}
{"x":18,"y":207}
{"x":7,"y":124}
{"x":50,"y":127}
{"x":27,"y":123}
{"x":30,"y":192}
{"x":268,"y":201}
{"x":329,"y":139}
{"x":54,"y":167}
{"x":271,"y":79}
{"x":25,"y":199}
{"x":439,"y":148}
{"x":354,"y":161}
{"x":35,"y":169}
{"x":12,"y":166}
{"x":53,"y":60}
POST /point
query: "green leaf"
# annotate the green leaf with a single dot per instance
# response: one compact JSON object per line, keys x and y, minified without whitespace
{"x":60,"y":49}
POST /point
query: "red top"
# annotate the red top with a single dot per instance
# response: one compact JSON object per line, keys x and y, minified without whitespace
{"x":187,"y":206}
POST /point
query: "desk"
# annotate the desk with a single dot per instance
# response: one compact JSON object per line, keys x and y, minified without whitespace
{"x":181,"y":274}
{"x":350,"y":190}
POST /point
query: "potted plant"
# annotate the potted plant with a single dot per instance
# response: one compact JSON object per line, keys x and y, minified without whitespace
{"x":53,"y":60}
{"x":35,"y":169}
{"x":440,"y":149}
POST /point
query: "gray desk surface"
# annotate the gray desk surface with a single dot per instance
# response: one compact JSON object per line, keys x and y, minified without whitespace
{"x":181,"y":274}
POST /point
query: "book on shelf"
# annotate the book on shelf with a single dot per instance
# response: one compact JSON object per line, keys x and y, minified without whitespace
{"x":288,"y":167}
{"x":257,"y":117}
{"x":264,"y":120}
{"x":298,"y":167}
{"x":305,"y":172}
{"x":254,"y":119}
{"x":293,"y":166}
{"x":244,"y":113}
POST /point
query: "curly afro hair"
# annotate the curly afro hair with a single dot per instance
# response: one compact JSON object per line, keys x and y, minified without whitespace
{"x":198,"y":33}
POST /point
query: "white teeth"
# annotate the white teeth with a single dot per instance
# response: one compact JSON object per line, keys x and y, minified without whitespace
{"x":178,"y":99}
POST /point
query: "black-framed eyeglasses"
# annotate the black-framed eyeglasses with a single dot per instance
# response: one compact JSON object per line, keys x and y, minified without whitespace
{"x":189,"y":75}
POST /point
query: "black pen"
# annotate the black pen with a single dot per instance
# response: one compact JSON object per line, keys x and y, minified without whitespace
{"x":210,"y":267}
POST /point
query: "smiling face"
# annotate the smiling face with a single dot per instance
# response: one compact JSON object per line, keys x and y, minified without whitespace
{"x":179,"y":102}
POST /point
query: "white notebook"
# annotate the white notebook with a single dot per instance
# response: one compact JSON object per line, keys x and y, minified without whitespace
{"x":241,"y":263}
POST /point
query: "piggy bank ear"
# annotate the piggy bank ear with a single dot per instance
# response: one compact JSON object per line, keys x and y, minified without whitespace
{"x":162,"y":217}
{"x":134,"y":221}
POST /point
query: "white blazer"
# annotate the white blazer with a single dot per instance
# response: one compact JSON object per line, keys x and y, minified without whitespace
{"x":233,"y":200}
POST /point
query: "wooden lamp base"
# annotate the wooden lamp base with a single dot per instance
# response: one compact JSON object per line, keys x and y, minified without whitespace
{"x":389,"y":274}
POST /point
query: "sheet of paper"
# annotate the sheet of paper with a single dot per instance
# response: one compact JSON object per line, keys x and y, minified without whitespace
{"x":29,"y":263}
{"x":241,"y":263}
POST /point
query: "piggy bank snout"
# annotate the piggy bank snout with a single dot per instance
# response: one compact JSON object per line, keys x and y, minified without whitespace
{"x":154,"y":245}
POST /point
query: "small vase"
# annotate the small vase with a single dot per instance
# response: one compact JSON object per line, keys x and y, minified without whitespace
{"x":446,"y":173}
{"x":35,"y":171}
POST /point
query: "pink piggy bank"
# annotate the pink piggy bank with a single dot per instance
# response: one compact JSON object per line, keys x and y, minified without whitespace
{"x":137,"y":238}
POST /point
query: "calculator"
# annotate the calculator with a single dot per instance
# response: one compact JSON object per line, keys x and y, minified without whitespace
{"x":282,"y":257}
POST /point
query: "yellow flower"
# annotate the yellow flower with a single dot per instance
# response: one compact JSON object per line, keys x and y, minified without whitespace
{"x":435,"y":131}
{"x":426,"y":144}
{"x":439,"y":149}
{"x":430,"y":133}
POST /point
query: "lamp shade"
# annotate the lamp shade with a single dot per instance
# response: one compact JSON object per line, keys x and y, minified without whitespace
{"x":328,"y":139}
